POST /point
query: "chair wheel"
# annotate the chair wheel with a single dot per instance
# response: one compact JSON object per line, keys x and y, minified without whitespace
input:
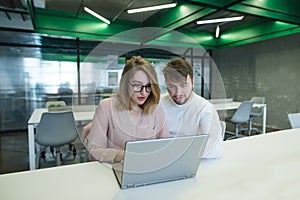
{"x":74,"y":152}
{"x":61,"y":157}
{"x":43,"y":155}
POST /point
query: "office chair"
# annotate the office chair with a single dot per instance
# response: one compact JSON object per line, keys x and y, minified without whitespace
{"x":223,"y":127}
{"x":294,"y":119}
{"x":55,"y":130}
{"x":240,"y":116}
{"x":256,"y":112}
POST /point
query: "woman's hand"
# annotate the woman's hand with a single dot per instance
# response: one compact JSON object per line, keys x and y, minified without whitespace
{"x":120,"y":156}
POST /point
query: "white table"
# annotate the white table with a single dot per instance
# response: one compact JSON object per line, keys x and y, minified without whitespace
{"x":263,"y":167}
{"x":79,"y":115}
{"x":234,"y":105}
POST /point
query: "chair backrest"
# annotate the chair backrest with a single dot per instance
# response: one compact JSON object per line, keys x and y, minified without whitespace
{"x":223,"y":127}
{"x":242,"y":114}
{"x":217,"y":101}
{"x":294,"y":119}
{"x":260,"y":100}
{"x":56,"y":129}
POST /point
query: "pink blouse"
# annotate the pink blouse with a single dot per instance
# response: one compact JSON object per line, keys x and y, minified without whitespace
{"x":111,"y":128}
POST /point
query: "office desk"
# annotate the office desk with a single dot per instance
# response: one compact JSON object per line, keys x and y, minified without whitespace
{"x":262,"y":167}
{"x":79,"y":115}
{"x":234,"y":105}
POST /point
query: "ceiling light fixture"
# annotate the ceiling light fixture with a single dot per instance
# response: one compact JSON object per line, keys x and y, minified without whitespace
{"x":228,"y":19}
{"x":86,"y":9}
{"x":217,"y":31}
{"x":150,"y":8}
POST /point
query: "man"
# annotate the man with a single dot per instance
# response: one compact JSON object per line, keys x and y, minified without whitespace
{"x":188,"y":113}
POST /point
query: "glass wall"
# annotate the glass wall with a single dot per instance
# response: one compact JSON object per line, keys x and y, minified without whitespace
{"x":35,"y":69}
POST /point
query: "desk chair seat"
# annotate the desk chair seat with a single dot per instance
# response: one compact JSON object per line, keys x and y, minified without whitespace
{"x":55,"y":130}
{"x":241,"y":116}
{"x":256,"y":112}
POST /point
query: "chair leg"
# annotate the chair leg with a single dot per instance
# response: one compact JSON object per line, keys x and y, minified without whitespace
{"x":250,"y":126}
{"x":237,"y":130}
{"x":58,"y":157}
{"x":236,"y":133}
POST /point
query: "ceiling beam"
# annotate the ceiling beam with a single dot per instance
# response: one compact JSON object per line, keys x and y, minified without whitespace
{"x":84,"y":26}
{"x":267,"y":12}
{"x":173,"y":19}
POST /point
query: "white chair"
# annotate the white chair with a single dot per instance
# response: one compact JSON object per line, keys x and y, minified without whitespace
{"x":294,"y":119}
{"x":256,"y":112}
{"x":241,"y":116}
{"x":217,"y":101}
{"x":55,"y":130}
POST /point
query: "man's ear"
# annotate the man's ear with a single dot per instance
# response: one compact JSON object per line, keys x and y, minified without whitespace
{"x":192,"y":80}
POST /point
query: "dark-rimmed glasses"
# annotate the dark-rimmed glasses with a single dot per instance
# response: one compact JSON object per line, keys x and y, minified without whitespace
{"x":140,"y":87}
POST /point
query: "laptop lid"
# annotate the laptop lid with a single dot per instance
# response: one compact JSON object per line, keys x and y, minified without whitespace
{"x":160,"y":160}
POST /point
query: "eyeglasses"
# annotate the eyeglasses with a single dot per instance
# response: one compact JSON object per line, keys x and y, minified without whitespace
{"x":140,"y":87}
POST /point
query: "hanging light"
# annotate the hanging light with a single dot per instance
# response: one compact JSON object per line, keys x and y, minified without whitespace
{"x":217,"y":32}
{"x":86,"y":9}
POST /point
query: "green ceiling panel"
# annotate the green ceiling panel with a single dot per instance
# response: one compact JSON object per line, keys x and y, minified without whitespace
{"x":175,"y":15}
{"x":289,"y":7}
{"x":186,"y":39}
{"x":258,"y":11}
{"x":261,"y":38}
{"x":191,"y":18}
{"x":176,"y":18}
{"x":255,"y":33}
{"x":217,"y":3}
{"x":67,"y":25}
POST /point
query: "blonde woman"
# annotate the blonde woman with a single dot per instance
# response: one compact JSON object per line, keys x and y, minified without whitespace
{"x":133,"y":114}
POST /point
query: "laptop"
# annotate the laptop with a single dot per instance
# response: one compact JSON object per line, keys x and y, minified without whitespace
{"x":160,"y":160}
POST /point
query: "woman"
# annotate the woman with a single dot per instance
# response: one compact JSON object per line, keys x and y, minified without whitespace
{"x":133,"y":114}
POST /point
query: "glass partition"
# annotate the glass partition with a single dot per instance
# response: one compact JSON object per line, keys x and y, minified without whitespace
{"x":36,"y":68}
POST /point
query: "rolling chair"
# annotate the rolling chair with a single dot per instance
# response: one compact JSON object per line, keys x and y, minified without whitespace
{"x":294,"y":119}
{"x":55,"y":130}
{"x":240,"y":116}
{"x":256,"y":112}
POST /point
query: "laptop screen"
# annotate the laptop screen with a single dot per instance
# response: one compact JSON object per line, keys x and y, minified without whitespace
{"x":160,"y":160}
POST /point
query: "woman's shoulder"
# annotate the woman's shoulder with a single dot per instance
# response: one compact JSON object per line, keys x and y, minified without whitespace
{"x":106,"y":103}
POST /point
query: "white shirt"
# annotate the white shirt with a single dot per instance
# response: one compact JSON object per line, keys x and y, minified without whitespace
{"x":196,"y":116}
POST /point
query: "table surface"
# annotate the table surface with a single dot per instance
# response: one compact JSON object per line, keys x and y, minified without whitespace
{"x":81,"y":113}
{"x":234,"y":105}
{"x":258,"y":167}
{"x":86,"y":112}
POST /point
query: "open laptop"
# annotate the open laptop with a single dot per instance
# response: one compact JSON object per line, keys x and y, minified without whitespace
{"x":160,"y":160}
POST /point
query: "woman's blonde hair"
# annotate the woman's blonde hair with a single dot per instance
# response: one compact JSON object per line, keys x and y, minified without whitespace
{"x":137,"y":63}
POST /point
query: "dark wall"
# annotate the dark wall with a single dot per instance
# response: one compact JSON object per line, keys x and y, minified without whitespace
{"x":270,"y":68}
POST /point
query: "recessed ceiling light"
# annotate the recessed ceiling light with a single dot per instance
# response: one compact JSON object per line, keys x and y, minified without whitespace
{"x":228,"y":19}
{"x":217,"y":31}
{"x":86,"y":9}
{"x":150,"y":8}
